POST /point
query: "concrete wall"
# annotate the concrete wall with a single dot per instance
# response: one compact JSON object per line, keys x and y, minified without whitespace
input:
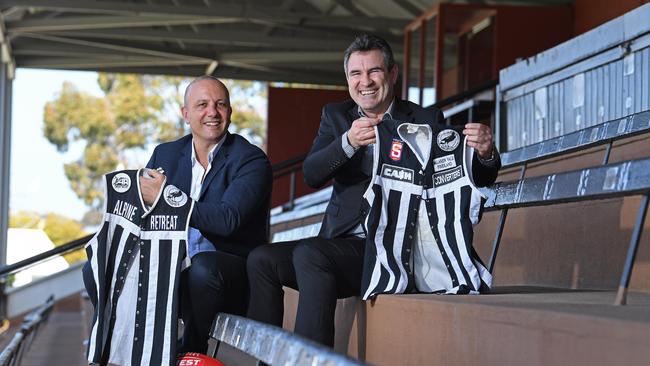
{"x":293,"y":120}
{"x":589,"y":14}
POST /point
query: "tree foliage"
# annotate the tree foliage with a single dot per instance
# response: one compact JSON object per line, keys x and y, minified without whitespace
{"x":59,"y":229}
{"x":245,"y":117}
{"x":136,"y":112}
{"x":129,"y":116}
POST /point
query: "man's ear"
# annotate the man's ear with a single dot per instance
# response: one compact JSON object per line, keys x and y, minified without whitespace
{"x":394,"y":72}
{"x":184,"y":114}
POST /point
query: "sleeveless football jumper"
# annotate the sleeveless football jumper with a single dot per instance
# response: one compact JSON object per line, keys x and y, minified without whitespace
{"x":420,"y":208}
{"x":136,"y":259}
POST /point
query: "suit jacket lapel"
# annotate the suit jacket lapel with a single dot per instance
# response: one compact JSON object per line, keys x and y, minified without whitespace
{"x":353,"y":114}
{"x":401,"y":111}
{"x":183,"y":178}
{"x":218,"y":162}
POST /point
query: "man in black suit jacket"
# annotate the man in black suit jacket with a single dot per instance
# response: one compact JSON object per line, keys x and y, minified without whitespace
{"x":230,"y":181}
{"x":329,"y":266}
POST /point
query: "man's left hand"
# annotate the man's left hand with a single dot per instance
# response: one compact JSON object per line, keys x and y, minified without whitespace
{"x":479,"y":136}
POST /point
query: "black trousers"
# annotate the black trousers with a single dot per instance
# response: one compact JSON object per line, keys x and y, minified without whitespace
{"x":215,"y":282}
{"x":322,"y":270}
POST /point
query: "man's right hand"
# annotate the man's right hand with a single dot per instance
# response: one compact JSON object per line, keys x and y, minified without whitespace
{"x":362,"y":132}
{"x":150,"y":187}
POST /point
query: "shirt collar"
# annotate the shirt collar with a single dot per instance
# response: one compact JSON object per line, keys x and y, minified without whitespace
{"x":211,"y":154}
{"x":387,"y":115}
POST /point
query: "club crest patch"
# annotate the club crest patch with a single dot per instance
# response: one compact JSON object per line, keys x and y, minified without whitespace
{"x":121,"y":182}
{"x":174,"y":196}
{"x":396,"y":150}
{"x":448,"y":140}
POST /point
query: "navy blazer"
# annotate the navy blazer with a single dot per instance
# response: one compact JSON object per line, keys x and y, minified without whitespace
{"x":233,"y":208}
{"x":327,"y":160}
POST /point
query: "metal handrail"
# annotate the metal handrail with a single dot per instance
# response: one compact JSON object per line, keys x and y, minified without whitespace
{"x":272,"y":345}
{"x":13,"y":353}
{"x":60,"y":250}
{"x":289,"y":167}
{"x":464,"y":95}
{"x":282,"y":166}
{"x":292,"y":164}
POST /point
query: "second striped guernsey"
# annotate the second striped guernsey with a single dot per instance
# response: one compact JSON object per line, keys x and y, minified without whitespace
{"x":136,"y":259}
{"x":420,"y":209}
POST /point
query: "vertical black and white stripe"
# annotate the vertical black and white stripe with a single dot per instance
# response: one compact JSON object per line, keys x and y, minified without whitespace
{"x":136,"y":272}
{"x":419,"y":230}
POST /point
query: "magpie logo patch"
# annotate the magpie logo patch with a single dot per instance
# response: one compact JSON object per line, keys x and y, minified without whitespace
{"x":448,"y":140}
{"x":121,"y":182}
{"x":448,"y":176}
{"x":397,"y":173}
{"x":444,"y":163}
{"x":174,"y":196}
{"x":396,"y":150}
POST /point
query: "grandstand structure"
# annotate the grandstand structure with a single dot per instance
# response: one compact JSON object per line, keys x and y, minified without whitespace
{"x":565,"y":85}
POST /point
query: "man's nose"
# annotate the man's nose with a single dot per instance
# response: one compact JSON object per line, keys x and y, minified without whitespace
{"x":212,"y":110}
{"x":366,"y":79}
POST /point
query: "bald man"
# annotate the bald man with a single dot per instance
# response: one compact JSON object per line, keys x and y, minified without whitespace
{"x":230,"y":181}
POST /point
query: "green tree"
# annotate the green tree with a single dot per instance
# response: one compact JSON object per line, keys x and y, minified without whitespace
{"x":136,"y":111}
{"x":59,"y":229}
{"x":245,"y":117}
{"x":130,"y":116}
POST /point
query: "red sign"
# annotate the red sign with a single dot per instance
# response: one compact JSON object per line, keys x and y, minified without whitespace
{"x":396,"y":150}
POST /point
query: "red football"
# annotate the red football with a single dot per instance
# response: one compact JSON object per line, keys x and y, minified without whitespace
{"x":197,"y":359}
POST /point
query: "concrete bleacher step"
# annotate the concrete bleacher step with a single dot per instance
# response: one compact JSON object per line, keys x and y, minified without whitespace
{"x":59,"y":341}
{"x":510,"y":326}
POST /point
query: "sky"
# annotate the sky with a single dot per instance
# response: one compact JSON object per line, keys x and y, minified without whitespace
{"x":37,"y":181}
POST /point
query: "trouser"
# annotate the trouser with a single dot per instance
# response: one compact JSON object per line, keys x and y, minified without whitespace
{"x":215,"y":282}
{"x":322,"y":270}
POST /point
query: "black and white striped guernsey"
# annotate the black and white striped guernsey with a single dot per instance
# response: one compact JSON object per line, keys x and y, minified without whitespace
{"x":420,"y":207}
{"x":136,"y":258}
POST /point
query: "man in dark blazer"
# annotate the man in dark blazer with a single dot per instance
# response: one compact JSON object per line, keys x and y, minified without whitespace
{"x":329,"y":266}
{"x":230,"y":181}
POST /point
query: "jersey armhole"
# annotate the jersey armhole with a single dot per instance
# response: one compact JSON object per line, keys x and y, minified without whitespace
{"x":468,"y":157}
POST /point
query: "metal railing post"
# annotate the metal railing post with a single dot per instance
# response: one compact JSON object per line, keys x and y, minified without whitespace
{"x":497,"y":239}
{"x":292,"y":189}
{"x":621,"y":294}
{"x":608,"y":151}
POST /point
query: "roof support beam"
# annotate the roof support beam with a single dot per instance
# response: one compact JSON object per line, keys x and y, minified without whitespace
{"x":236,"y":38}
{"x":239,"y":11}
{"x":119,"y":48}
{"x":85,"y":64}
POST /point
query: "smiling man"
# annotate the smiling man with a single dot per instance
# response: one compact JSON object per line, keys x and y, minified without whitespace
{"x":230,"y":181}
{"x":329,"y":266}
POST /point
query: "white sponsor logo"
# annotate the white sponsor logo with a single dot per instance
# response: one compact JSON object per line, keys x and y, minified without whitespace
{"x":444,"y":162}
{"x":448,"y":140}
{"x":448,"y":176}
{"x":121,"y":182}
{"x":163,"y":222}
{"x":397,"y":173}
{"x":174,"y":196}
{"x":124,"y":209}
